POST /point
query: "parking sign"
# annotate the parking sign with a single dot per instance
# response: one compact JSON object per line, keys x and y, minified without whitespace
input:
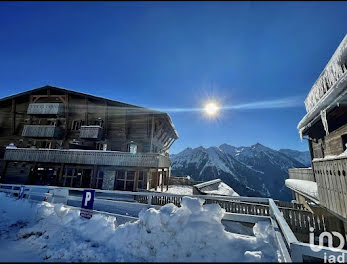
{"x":87,"y":204}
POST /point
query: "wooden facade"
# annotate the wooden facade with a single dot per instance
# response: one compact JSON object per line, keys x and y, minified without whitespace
{"x":55,"y":136}
{"x":325,"y":128}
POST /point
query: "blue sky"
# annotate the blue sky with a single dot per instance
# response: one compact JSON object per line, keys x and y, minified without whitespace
{"x":167,"y":55}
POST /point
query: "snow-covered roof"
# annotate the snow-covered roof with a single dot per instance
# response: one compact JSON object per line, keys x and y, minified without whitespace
{"x":321,"y":96}
{"x":216,"y":186}
{"x":307,"y":188}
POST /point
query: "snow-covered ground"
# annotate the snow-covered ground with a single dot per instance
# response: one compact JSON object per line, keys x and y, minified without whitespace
{"x":192,"y":232}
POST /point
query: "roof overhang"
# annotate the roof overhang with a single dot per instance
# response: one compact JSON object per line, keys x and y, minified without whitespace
{"x":335,"y":95}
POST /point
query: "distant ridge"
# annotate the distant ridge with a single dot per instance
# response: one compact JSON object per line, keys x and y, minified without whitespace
{"x":256,"y":170}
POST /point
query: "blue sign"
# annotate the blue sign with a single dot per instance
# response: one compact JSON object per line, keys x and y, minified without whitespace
{"x":87,"y":204}
{"x":21,"y":192}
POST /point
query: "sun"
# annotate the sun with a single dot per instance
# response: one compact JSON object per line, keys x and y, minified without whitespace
{"x":211,"y":109}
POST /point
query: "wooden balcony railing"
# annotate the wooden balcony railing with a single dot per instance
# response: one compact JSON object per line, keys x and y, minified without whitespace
{"x":331,"y":177}
{"x":42,"y":131}
{"x":91,"y":132}
{"x":301,"y":174}
{"x":89,"y":157}
{"x":46,"y":109}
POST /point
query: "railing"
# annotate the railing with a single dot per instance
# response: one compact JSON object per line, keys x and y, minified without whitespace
{"x":291,"y":249}
{"x":91,"y":132}
{"x":333,"y":71}
{"x":45,"y":109}
{"x":89,"y":157}
{"x":331,"y":176}
{"x":301,"y":174}
{"x":42,"y":131}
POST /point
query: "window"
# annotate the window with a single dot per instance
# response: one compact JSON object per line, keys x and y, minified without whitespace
{"x":72,"y":177}
{"x":132,"y":148}
{"x":100,"y":179}
{"x":76,"y":124}
{"x":344,"y":141}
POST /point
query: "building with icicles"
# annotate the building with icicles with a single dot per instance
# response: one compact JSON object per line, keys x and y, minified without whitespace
{"x":323,"y":187}
{"x":55,"y":136}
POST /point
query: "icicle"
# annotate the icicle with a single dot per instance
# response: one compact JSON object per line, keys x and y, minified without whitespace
{"x":332,"y":72}
{"x":300,"y":133}
{"x":323,"y":115}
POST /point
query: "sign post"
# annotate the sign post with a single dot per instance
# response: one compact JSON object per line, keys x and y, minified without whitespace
{"x":21,"y":192}
{"x":87,"y":204}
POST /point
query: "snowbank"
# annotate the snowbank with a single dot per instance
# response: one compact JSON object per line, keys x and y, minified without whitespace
{"x":192,"y":232}
{"x":308,"y":187}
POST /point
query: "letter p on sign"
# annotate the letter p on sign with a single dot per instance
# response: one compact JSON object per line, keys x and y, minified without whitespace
{"x":87,"y":203}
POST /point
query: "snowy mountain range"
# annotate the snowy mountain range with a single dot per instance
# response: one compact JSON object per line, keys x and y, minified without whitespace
{"x":251,"y":171}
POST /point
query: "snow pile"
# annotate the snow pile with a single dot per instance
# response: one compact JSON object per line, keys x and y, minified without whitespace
{"x":308,"y":187}
{"x":180,"y":189}
{"x":223,"y":189}
{"x":192,"y":232}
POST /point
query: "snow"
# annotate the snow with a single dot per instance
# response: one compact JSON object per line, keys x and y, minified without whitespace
{"x":331,"y":157}
{"x":190,"y":233}
{"x":223,"y":189}
{"x":307,"y":187}
{"x":180,"y":189}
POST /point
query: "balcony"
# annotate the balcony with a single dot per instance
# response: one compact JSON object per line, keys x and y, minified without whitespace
{"x":331,"y":179}
{"x":89,"y":157}
{"x":91,"y":132}
{"x":46,"y":109}
{"x":42,"y":131}
{"x":301,"y":174}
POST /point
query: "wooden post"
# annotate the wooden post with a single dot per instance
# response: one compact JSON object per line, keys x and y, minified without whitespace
{"x":136,"y":180}
{"x":105,"y":121}
{"x":162,"y":179}
{"x":60,"y":177}
{"x":3,"y":173}
{"x":13,"y":122}
{"x":168,"y":178}
{"x":95,"y":171}
{"x":66,"y":114}
{"x":86,"y":110}
{"x":156,"y":179}
{"x":152,"y":133}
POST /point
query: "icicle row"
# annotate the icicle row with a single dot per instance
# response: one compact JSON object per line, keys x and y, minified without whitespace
{"x":334,"y":70}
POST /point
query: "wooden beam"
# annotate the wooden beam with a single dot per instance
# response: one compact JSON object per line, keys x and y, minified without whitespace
{"x":162,"y":180}
{"x":152,"y":132}
{"x":136,"y":185}
{"x":66,"y":115}
{"x":4,"y":169}
{"x":105,"y":119}
{"x":156,"y":179}
{"x":95,"y":172}
{"x":86,"y":110}
{"x":13,"y":121}
{"x":60,"y":177}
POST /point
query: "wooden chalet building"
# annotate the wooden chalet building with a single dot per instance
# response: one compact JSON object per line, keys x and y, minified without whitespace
{"x":55,"y":136}
{"x":323,"y":187}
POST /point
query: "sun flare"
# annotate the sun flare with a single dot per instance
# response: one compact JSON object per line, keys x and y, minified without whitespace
{"x":211,"y":109}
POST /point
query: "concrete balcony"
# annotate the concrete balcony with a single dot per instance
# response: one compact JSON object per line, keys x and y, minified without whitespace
{"x":301,"y":174}
{"x":46,"y":109}
{"x":91,"y":132}
{"x":42,"y":131}
{"x":331,"y":177}
{"x":89,"y":157}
